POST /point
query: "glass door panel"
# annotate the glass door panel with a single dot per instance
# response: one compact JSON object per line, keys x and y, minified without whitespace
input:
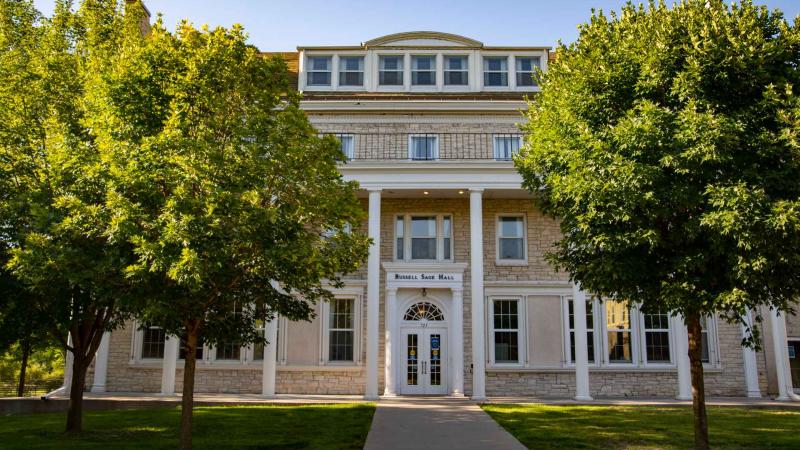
{"x":412,"y":360}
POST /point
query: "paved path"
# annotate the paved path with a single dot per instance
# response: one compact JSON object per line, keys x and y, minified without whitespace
{"x":435,"y":423}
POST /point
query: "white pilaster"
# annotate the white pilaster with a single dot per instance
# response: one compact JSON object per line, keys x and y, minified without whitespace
{"x":582,"y":392}
{"x":781,"y":350}
{"x":457,"y":342}
{"x":682,"y":358}
{"x":169,"y":365}
{"x":391,"y":334}
{"x":69,"y":359}
{"x":476,"y":266}
{"x":270,"y":357}
{"x":101,"y":364}
{"x":750,"y":366}
{"x":373,"y":294}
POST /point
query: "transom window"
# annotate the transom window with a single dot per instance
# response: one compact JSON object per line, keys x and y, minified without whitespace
{"x":505,"y":331}
{"x":526,"y":68}
{"x":423,"y":70}
{"x":456,"y":71}
{"x":506,"y":146}
{"x":495,"y":71}
{"x":423,"y":311}
{"x":351,"y":71}
{"x":511,"y":238}
{"x":341,"y":329}
{"x":423,"y":238}
{"x":319,"y":71}
{"x":423,"y":147}
{"x":390,"y":70}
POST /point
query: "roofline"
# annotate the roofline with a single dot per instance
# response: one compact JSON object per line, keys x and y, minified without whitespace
{"x":384,"y":42}
{"x":423,"y":35}
{"x":422,"y":47}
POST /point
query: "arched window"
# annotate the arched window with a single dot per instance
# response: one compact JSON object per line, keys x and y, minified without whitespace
{"x":423,"y":311}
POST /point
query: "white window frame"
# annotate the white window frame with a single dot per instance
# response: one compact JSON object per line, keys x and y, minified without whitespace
{"x":308,"y":71}
{"x":497,"y":138}
{"x":634,"y":332}
{"x":411,"y":138}
{"x":138,"y":344}
{"x":407,"y":236}
{"x":484,"y":71}
{"x":518,"y":72}
{"x":404,"y":71}
{"x":565,"y":300}
{"x":521,"y":330}
{"x":465,"y":70}
{"x":714,"y":358}
{"x":643,"y":361}
{"x":351,"y":155}
{"x":511,"y":262}
{"x":340,"y":70}
{"x":435,"y":70}
{"x":326,"y":329}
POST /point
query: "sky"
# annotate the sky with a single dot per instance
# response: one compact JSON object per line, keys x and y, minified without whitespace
{"x":282,"y":25}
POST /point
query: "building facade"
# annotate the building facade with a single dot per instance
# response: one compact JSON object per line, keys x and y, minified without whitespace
{"x":456,"y":297}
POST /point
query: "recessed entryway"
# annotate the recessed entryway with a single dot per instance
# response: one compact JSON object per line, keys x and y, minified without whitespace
{"x":424,"y":350}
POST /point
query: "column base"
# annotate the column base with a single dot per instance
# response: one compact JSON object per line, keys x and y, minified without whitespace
{"x":476,"y":398}
{"x":583,"y":398}
{"x":683,"y":398}
{"x":97,"y":389}
{"x":755,"y":394}
{"x":371,"y":398}
{"x":388,"y":395}
{"x":269,"y":396}
{"x":458,"y":395}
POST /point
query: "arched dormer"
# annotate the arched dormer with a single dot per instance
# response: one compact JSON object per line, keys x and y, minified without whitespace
{"x":423,"y":39}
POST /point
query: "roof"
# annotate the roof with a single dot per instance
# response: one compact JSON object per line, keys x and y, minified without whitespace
{"x":422,"y":39}
{"x":292,"y":60}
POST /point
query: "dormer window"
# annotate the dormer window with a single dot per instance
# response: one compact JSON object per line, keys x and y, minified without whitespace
{"x":495,"y":71}
{"x":526,"y":66}
{"x":423,"y":70}
{"x":456,"y":71}
{"x":391,"y":71}
{"x":319,"y":71}
{"x":351,"y":71}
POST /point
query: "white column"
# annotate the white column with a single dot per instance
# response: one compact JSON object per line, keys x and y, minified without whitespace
{"x":69,"y":359}
{"x":101,"y":364}
{"x":457,"y":342}
{"x":476,"y":263}
{"x":582,"y":392}
{"x":780,"y":347}
{"x":270,"y":357}
{"x":390,"y":331}
{"x":682,"y":358}
{"x":373,"y":294}
{"x":750,"y":366}
{"x":169,"y":365}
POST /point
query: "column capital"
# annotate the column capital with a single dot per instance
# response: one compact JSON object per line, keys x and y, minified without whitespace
{"x":476,"y":190}
{"x":459,"y":289}
{"x":374,"y":190}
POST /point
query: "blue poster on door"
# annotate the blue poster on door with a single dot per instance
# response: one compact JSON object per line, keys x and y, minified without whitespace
{"x":435,"y":347}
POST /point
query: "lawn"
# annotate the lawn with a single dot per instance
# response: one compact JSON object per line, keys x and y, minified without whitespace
{"x":263,"y":427}
{"x":642,"y":427}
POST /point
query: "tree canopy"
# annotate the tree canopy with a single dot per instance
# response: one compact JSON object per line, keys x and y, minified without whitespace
{"x":667,"y":142}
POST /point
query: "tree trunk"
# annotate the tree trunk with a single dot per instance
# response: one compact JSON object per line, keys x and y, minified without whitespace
{"x":187,"y":400}
{"x":75,"y":409}
{"x":26,"y":351}
{"x":698,"y":386}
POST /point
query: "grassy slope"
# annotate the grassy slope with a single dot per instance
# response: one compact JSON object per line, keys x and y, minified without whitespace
{"x":542,"y":426}
{"x":274,"y":427}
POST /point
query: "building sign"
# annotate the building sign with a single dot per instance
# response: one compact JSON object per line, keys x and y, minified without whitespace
{"x":424,"y":276}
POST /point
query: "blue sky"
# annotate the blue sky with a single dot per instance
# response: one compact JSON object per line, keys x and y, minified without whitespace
{"x":278,"y":25}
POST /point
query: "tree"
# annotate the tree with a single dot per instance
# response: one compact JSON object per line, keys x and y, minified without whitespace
{"x":667,"y":142}
{"x":55,"y":219}
{"x":234,"y":205}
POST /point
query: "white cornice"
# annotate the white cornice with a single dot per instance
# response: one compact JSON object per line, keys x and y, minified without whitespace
{"x":505,"y":119}
{"x":393,"y":106}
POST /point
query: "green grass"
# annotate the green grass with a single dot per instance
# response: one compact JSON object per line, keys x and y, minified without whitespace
{"x":254,"y":427}
{"x":643,"y":427}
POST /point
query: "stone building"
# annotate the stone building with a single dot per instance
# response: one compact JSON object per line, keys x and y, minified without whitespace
{"x":456,"y":297}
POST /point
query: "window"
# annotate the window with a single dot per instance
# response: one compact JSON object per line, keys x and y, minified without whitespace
{"x":347,"y":142}
{"x":258,"y":347}
{"x":423,"y":70}
{"x":705,"y":355}
{"x":618,"y":330}
{"x":341,"y":330}
{"x":198,"y":354}
{"x":495,"y":71}
{"x":319,"y":71}
{"x":656,"y":338}
{"x":456,"y":71}
{"x":589,"y":330}
{"x":390,"y":71}
{"x":505,"y":330}
{"x":511,"y":238}
{"x":152,"y":342}
{"x":423,"y":237}
{"x":400,"y":242}
{"x":423,"y":147}
{"x":230,"y":350}
{"x":351,"y":71}
{"x":526,"y":68}
{"x":426,"y":237}
{"x":506,"y":146}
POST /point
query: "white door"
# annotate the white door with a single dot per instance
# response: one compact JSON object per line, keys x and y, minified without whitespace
{"x":424,"y":368}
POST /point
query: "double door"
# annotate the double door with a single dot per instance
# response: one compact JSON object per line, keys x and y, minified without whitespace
{"x":424,"y":361}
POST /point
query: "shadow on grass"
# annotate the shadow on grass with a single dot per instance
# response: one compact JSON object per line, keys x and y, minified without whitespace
{"x":556,"y":426}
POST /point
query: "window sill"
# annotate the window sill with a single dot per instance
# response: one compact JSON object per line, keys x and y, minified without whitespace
{"x":597,"y":369}
{"x":511,"y":262}
{"x":325,"y":368}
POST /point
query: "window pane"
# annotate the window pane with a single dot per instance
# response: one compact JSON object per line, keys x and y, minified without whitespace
{"x":423,"y":70}
{"x":341,"y":313}
{"x":399,"y":235}
{"x":657,"y":343}
{"x":391,"y":70}
{"x":341,"y":322}
{"x":423,"y":248}
{"x":198,"y":352}
{"x":319,"y":78}
{"x":458,"y":63}
{"x":495,"y":64}
{"x":505,"y":147}
{"x":506,"y":348}
{"x":423,"y":147}
{"x":341,"y":346}
{"x":511,"y":227}
{"x":347,"y":145}
{"x":152,"y":343}
{"x":446,"y":229}
{"x":512,"y":248}
{"x":321,"y":63}
{"x":495,"y":71}
{"x":229,"y":351}
{"x":619,"y":346}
